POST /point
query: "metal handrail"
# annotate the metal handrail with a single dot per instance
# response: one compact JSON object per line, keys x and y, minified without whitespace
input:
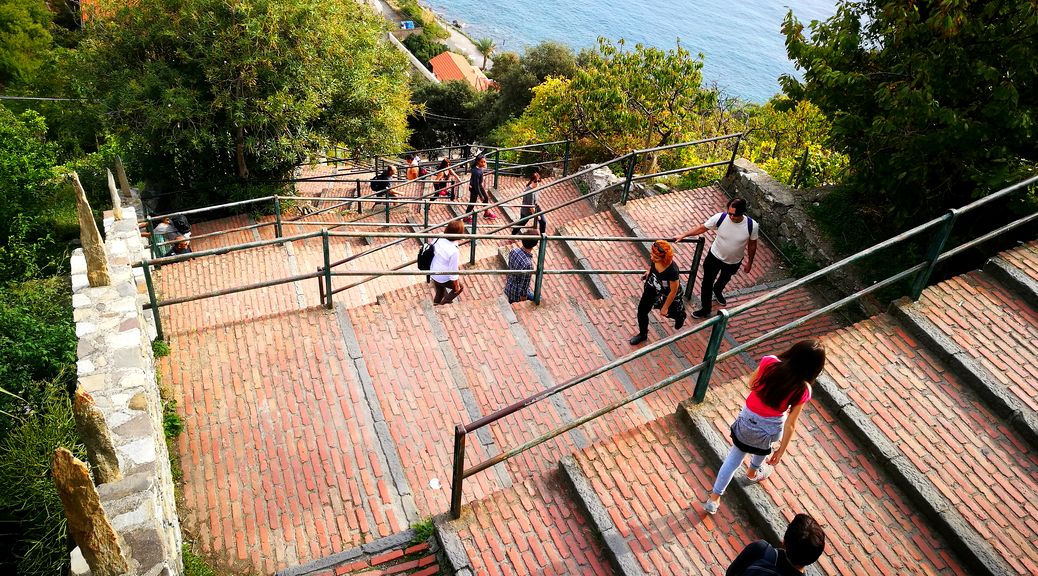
{"x":719,"y":323}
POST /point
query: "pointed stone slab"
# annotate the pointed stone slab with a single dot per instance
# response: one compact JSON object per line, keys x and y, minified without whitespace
{"x":87,"y":522}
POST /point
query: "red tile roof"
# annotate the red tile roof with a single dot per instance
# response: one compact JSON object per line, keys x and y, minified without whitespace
{"x":451,"y":66}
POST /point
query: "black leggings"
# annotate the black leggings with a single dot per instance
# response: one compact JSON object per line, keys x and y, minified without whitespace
{"x":644,"y":307}
{"x":477,"y":194}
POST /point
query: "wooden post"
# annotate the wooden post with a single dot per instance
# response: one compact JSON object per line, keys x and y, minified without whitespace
{"x":87,"y":522}
{"x":117,"y":203}
{"x":93,"y":246}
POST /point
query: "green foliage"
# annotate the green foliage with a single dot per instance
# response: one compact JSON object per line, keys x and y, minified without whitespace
{"x":517,"y":75}
{"x":160,"y":348}
{"x":25,"y":39}
{"x":933,"y":103}
{"x":486,"y":47}
{"x":787,"y":142}
{"x":172,"y":423}
{"x":423,"y":530}
{"x":205,"y":92}
{"x":619,"y":100}
{"x":37,"y":339}
{"x":424,"y":47}
{"x":422,"y":18}
{"x":455,"y":114}
{"x":35,"y":531}
{"x":195,"y":565}
{"x":27,"y":160}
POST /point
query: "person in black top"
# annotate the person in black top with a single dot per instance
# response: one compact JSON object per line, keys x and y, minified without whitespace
{"x":661,"y":291}
{"x":477,"y":190}
{"x":802,"y":545}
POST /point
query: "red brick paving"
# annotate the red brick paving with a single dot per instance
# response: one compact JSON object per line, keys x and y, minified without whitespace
{"x":991,"y":326}
{"x":1024,"y":258}
{"x":649,"y":479}
{"x":974,"y":460}
{"x":829,"y":475}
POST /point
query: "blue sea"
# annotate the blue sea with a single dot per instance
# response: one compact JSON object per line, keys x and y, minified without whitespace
{"x":741,"y":40}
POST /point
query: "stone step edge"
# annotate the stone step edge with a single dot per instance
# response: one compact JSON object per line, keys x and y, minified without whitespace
{"x":594,"y":283}
{"x":616,"y":549}
{"x":400,"y":540}
{"x":1023,"y":420}
{"x":966,"y":543}
{"x":1012,"y":278}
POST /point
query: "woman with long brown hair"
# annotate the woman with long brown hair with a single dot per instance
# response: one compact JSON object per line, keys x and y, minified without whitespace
{"x":662,"y":289}
{"x":779,"y":388}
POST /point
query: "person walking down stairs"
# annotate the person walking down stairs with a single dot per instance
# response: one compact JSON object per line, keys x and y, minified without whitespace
{"x":736,"y":237}
{"x":477,"y":188}
{"x":446,"y":285}
{"x":802,"y":545}
{"x":662,"y":290}
{"x":779,"y":388}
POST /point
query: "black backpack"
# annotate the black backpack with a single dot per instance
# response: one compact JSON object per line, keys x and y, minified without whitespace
{"x":181,"y":224}
{"x":749,"y":222}
{"x":425,"y":256}
{"x":381,"y":181}
{"x":767,"y":565}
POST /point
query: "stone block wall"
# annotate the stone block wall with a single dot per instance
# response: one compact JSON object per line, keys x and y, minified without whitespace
{"x":783,"y":217}
{"x":117,"y":368}
{"x":604,"y":178}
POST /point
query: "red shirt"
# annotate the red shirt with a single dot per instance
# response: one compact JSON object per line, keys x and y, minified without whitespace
{"x":757,"y":406}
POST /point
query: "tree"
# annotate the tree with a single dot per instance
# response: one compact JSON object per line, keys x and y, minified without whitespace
{"x":787,"y":141}
{"x":621,"y":100}
{"x":25,"y":39}
{"x":451,"y":114}
{"x":934,"y":103}
{"x":424,"y":47}
{"x":486,"y":47}
{"x":214,"y":91}
{"x":517,"y":75}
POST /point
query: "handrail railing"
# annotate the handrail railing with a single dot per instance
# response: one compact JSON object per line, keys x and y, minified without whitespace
{"x":630,"y":158}
{"x":718,"y":324}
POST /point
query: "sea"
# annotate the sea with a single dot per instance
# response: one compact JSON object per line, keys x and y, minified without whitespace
{"x":741,"y":40}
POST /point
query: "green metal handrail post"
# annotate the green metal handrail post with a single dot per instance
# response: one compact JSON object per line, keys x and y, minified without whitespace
{"x":277,"y":217}
{"x":694,"y":269}
{"x":565,"y":160}
{"x":152,"y":242}
{"x":627,"y":181}
{"x":497,"y":166}
{"x":710,"y":357}
{"x":459,"y":471}
{"x":542,"y":248}
{"x":154,"y":303}
{"x":919,"y":284}
{"x":386,"y":204}
{"x":327,"y":267}
{"x":472,"y":244}
{"x":425,"y":217}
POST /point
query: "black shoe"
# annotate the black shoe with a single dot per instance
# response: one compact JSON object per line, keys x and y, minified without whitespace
{"x":701,"y":313}
{"x":679,"y":322}
{"x":720,"y":299}
{"x":638,"y":339}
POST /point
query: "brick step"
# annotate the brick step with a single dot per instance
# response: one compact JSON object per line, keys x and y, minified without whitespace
{"x":832,"y":476}
{"x":606,"y":255}
{"x":975,"y":476}
{"x":667,"y":215}
{"x":639,"y":490}
{"x":1017,"y":269}
{"x":401,"y":553}
{"x":534,"y":527}
{"x":981,"y":331}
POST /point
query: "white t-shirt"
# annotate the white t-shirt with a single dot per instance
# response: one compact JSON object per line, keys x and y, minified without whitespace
{"x":444,"y":258}
{"x":730,"y":243}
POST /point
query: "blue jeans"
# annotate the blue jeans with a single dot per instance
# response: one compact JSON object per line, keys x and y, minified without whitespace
{"x":754,"y":430}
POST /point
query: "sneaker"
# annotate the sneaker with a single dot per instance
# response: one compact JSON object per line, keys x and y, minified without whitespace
{"x":638,"y":339}
{"x":680,"y":322}
{"x":720,"y":299}
{"x":467,"y":220}
{"x":711,"y":506}
{"x":491,"y":216}
{"x":762,"y":473}
{"x":701,"y":313}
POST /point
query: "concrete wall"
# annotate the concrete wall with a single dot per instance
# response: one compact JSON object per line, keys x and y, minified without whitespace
{"x":116,"y":367}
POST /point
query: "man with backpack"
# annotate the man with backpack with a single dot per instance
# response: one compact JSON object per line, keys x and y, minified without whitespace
{"x":736,"y":238}
{"x":802,"y":545}
{"x":382,"y":180}
{"x":444,"y":259}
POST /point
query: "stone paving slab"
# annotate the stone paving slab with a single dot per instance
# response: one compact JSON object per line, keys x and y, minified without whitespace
{"x":829,"y":474}
{"x":941,"y":427}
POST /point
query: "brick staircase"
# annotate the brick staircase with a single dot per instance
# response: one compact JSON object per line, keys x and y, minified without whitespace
{"x":351,"y":413}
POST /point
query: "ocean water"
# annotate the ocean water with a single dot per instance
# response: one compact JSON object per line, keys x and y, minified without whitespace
{"x":741,"y":40}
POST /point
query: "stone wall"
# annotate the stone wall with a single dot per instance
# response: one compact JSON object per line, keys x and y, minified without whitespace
{"x":604,"y":178}
{"x":117,"y":368}
{"x":783,"y":217}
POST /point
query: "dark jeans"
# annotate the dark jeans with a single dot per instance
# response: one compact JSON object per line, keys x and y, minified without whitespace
{"x":644,"y":307}
{"x":480,"y":195}
{"x":540,"y":221}
{"x":716,"y":275}
{"x":445,"y":293}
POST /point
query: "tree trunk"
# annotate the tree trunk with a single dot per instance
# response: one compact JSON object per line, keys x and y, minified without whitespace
{"x":239,"y":152}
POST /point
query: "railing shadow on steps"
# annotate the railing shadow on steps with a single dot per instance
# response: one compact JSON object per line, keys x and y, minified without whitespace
{"x":719,"y":323}
{"x":627,"y":162}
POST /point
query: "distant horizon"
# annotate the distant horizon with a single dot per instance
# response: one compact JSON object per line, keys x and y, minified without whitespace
{"x":742,"y":43}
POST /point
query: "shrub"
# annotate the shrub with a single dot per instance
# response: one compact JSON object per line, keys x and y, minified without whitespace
{"x":172,"y":423}
{"x":35,"y":533}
